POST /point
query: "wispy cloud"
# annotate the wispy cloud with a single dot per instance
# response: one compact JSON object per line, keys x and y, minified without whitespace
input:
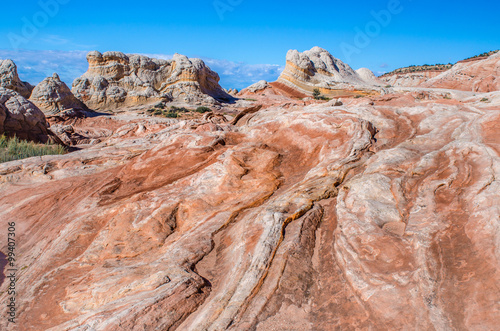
{"x":240,"y":75}
{"x":33,"y":66}
{"x":236,"y":74}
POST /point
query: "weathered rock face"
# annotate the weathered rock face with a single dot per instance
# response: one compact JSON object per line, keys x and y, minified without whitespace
{"x":21,"y":118}
{"x":317,"y":68}
{"x":54,"y":97}
{"x":10,"y":79}
{"x":116,"y":80}
{"x":377,"y":214}
{"x":409,"y":79}
{"x":368,"y":76}
{"x":477,"y":76}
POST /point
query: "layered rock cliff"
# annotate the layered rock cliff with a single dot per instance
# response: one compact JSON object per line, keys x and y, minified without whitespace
{"x":116,"y":80}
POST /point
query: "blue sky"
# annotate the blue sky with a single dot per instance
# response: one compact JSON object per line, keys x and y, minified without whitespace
{"x":243,"y":40}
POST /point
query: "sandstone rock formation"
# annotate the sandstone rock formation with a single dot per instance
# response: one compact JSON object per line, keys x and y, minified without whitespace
{"x":21,"y":118}
{"x":116,"y":80}
{"x":317,"y":68}
{"x":54,"y":97}
{"x":260,"y":85}
{"x":368,"y":76}
{"x":481,"y":75}
{"x":10,"y":79}
{"x":380,"y":214}
{"x":231,"y":91}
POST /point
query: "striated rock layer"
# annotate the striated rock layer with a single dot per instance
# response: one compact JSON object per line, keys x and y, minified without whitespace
{"x":379,"y":214}
{"x":115,"y":80}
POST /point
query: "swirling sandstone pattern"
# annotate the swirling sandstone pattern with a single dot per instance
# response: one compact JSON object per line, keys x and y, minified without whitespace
{"x":379,"y":214}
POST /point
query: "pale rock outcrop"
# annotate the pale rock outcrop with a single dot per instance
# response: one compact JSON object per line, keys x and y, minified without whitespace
{"x":317,"y":68}
{"x":54,"y":97}
{"x":260,"y":85}
{"x":368,"y":76}
{"x":9,"y":78}
{"x":232,"y":91}
{"x":115,"y":79}
{"x":21,"y":118}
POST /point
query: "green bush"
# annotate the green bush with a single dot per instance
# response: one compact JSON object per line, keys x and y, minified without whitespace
{"x":317,"y":95}
{"x":484,"y":100}
{"x":179,"y":109}
{"x":160,"y":105}
{"x":171,"y":114}
{"x":15,"y":149}
{"x":203,"y":109}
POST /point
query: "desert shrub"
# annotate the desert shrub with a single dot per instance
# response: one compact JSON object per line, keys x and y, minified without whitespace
{"x":317,"y":95}
{"x":160,"y":105}
{"x":171,"y":114}
{"x":15,"y":149}
{"x":484,"y":100}
{"x":358,"y":96}
{"x":179,"y":109}
{"x":203,"y":109}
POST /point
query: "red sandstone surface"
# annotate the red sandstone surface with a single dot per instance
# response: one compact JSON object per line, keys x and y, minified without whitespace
{"x":379,"y":214}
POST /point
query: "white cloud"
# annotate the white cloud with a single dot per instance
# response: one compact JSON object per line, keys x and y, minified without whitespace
{"x":34,"y":66}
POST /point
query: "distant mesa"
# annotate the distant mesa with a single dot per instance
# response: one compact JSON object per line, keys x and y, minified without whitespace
{"x":10,"y":79}
{"x":478,"y":74}
{"x":115,"y":80}
{"x":54,"y":97}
